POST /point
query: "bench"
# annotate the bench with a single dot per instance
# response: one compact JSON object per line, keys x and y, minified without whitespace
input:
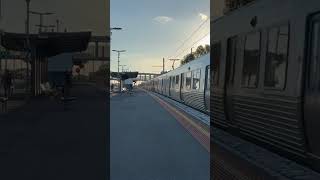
{"x":4,"y":102}
{"x":47,"y":90}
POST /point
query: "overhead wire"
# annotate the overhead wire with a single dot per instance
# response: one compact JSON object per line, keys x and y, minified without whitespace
{"x":192,"y":34}
{"x":202,"y":37}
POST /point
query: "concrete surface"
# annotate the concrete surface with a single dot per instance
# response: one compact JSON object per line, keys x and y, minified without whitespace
{"x":41,"y":141}
{"x":147,"y":143}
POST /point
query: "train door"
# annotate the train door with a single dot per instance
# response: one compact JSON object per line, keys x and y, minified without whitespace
{"x":312,"y":88}
{"x":162,"y":87}
{"x":171,"y":85}
{"x":229,"y":76}
{"x":207,"y":89}
{"x":181,"y":86}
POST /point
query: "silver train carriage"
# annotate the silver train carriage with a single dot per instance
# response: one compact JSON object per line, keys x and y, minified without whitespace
{"x":188,"y":84}
{"x":266,"y":76}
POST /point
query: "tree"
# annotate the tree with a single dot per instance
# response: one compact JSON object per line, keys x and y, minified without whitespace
{"x":207,"y":48}
{"x":188,"y":58}
{"x":200,"y":51}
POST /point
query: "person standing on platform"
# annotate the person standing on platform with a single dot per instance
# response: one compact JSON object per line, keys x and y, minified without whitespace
{"x":67,"y":83}
{"x":5,"y":82}
{"x":112,"y":86}
{"x":9,"y":84}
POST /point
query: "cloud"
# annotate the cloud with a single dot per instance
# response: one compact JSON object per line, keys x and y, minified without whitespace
{"x":203,"y":16}
{"x":162,"y":19}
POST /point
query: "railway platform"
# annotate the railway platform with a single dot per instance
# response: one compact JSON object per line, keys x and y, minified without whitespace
{"x":40,"y":140}
{"x":152,"y":138}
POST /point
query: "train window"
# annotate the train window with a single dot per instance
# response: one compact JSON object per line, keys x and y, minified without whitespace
{"x":173,"y":81}
{"x":231,"y":59}
{"x":277,"y":56}
{"x":182,"y":81}
{"x":251,"y":60}
{"x":177,"y":82}
{"x":216,"y":62}
{"x":196,"y":79}
{"x":314,"y":59}
{"x":188,"y":80}
{"x":208,"y":78}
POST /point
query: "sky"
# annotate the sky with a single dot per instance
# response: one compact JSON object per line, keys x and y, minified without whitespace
{"x":153,"y":30}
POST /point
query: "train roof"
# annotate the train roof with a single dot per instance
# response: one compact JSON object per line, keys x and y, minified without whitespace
{"x":205,"y":59}
{"x":265,"y":12}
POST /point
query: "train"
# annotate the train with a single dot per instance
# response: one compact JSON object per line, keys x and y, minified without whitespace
{"x":266,"y":77}
{"x":188,"y":84}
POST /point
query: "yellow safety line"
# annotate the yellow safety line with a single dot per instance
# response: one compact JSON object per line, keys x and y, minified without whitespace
{"x":181,"y":114}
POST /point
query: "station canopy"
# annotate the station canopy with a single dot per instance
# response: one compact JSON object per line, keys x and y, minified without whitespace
{"x":124,"y":75}
{"x":47,"y":44}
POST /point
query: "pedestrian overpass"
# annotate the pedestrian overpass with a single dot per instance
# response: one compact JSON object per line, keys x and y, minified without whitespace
{"x":146,"y":76}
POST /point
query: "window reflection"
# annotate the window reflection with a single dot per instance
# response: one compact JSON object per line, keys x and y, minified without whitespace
{"x":208,"y":78}
{"x":188,"y":80}
{"x":251,"y":60}
{"x":196,"y":79}
{"x":216,"y":62}
{"x":277,"y":55}
{"x":177,"y":82}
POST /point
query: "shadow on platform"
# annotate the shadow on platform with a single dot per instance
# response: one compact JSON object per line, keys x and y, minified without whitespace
{"x":43,"y":141}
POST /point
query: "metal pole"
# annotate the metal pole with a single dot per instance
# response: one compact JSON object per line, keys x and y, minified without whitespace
{"x":163,"y":66}
{"x":57,"y":25}
{"x":119,"y":70}
{"x":41,"y":23}
{"x":28,"y":43}
{"x":28,"y":9}
{"x":118,"y":61}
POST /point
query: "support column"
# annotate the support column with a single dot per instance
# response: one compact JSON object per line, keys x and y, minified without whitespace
{"x":33,"y":77}
{"x":46,"y":70}
{"x":36,"y":76}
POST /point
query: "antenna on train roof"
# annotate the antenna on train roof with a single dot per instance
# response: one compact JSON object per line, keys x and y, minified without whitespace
{"x":174,"y":60}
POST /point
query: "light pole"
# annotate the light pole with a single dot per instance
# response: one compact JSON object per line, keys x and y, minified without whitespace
{"x":41,"y":17}
{"x":122,"y":67}
{"x":163,"y":64}
{"x":119,"y":51}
